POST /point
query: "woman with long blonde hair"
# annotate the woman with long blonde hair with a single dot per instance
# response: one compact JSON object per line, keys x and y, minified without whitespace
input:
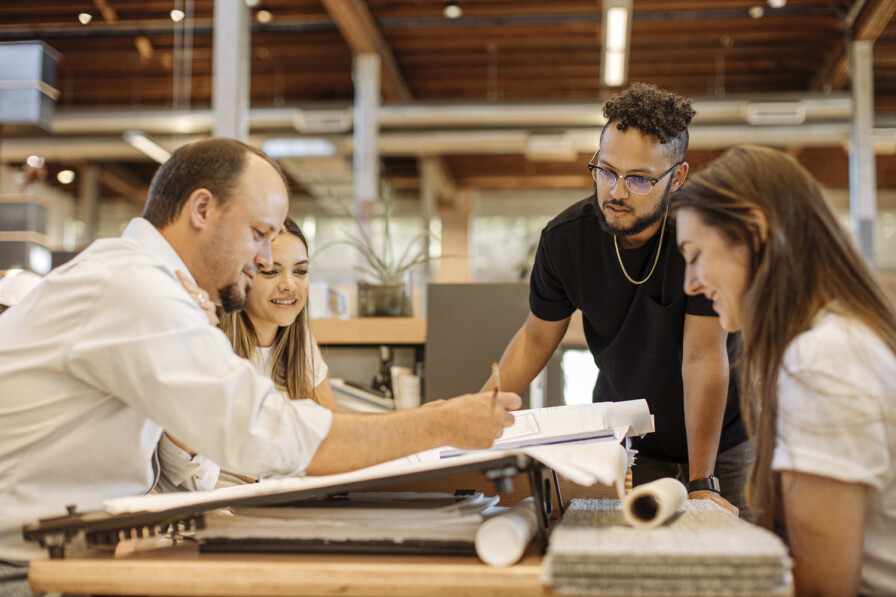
{"x":818,"y":370}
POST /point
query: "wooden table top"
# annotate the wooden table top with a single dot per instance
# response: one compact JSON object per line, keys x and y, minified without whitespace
{"x":183,"y":571}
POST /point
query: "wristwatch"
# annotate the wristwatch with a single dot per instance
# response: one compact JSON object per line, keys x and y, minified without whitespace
{"x":707,"y":484}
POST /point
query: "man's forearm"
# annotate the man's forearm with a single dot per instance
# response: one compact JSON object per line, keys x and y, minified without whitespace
{"x":519,"y":364}
{"x":356,"y":441}
{"x":705,"y":397}
{"x":528,"y":353}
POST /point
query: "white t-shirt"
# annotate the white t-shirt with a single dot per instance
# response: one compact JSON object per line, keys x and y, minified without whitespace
{"x":837,"y":419}
{"x":314,"y":361}
{"x":106,"y":352}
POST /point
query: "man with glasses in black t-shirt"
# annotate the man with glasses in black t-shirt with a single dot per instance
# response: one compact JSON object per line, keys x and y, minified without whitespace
{"x":613,"y":257}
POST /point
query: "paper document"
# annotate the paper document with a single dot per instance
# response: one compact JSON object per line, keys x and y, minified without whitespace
{"x":585,"y":462}
{"x":570,"y":423}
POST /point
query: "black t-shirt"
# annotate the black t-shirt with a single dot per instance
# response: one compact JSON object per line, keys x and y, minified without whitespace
{"x":634,"y":331}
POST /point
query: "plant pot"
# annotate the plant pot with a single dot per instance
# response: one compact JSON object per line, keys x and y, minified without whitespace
{"x":383,"y":300}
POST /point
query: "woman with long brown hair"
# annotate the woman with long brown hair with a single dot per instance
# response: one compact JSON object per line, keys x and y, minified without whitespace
{"x":273,"y":331}
{"x":818,"y":370}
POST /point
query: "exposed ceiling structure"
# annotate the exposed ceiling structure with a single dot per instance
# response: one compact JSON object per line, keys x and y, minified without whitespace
{"x":507,"y":96}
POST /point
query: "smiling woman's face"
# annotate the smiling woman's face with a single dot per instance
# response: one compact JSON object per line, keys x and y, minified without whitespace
{"x":279,"y":294}
{"x":716,"y":267}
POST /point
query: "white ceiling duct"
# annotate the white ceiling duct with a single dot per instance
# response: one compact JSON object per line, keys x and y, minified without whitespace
{"x":814,"y":108}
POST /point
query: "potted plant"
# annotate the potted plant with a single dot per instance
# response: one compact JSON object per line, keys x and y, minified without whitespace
{"x":383,"y":289}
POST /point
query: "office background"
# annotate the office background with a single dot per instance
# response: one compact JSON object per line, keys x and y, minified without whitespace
{"x":482,"y":113}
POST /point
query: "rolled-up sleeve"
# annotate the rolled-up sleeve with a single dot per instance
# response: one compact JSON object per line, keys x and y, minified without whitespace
{"x":830,"y":417}
{"x":179,"y":471}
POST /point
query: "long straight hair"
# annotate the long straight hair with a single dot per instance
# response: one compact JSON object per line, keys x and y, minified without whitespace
{"x":808,"y":261}
{"x":293,"y":369}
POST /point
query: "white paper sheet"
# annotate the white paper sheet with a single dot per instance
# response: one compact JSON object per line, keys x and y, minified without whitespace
{"x":585,"y":464}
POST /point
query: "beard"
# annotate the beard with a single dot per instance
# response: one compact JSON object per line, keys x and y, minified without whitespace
{"x":641,"y":223}
{"x":231,"y":298}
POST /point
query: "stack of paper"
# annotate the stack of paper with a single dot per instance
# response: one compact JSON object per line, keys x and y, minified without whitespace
{"x":702,"y":551}
{"x":379,"y":522}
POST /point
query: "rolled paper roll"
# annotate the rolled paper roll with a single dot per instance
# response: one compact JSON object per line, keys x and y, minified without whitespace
{"x":653,"y":503}
{"x":502,"y":539}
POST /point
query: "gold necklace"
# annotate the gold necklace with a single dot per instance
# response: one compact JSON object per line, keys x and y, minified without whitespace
{"x":655,"y":261}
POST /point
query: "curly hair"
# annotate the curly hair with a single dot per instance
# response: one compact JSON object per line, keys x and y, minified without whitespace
{"x":653,"y":111}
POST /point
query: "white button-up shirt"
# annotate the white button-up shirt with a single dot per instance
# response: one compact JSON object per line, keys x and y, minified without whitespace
{"x":103,"y":355}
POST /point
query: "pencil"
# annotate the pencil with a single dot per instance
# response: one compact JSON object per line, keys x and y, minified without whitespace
{"x":496,"y":374}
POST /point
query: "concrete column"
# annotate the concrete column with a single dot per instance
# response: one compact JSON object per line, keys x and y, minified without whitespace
{"x":230,"y":69}
{"x":88,"y":210}
{"x":366,"y":161}
{"x":456,"y":241}
{"x":862,"y":173}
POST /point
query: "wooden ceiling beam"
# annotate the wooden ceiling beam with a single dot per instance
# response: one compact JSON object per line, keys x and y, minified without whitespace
{"x":361,"y":33}
{"x":867,"y":26}
{"x":109,"y":14}
{"x":123,"y":183}
{"x":550,"y":43}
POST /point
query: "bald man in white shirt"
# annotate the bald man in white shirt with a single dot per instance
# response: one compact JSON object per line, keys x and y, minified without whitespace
{"x":110,"y":350}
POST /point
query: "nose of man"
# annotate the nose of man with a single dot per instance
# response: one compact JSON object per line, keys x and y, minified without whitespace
{"x":264,"y":259}
{"x":619,"y":190}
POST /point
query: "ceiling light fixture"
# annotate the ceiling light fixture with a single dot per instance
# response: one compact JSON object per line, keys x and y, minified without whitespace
{"x":139,"y":141}
{"x":264,"y":16}
{"x":177,"y":15}
{"x":756,"y":12}
{"x":35,"y":161}
{"x":66,"y":176}
{"x":617,"y":26}
{"x":85,"y":17}
{"x":252,"y":3}
{"x":307,"y":147}
{"x":777,"y":3}
{"x":452,"y":10}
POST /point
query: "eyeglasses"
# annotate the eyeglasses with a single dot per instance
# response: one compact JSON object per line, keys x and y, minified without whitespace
{"x":640,"y":185}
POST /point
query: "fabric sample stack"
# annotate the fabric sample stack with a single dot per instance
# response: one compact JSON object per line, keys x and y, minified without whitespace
{"x":703,"y":550}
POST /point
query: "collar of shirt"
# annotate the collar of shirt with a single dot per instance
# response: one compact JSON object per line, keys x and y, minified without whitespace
{"x":147,"y":235}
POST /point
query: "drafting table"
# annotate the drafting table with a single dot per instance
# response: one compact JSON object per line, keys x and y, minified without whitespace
{"x":184,"y":571}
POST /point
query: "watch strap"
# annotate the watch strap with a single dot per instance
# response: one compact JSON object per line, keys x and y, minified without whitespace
{"x":706,"y":484}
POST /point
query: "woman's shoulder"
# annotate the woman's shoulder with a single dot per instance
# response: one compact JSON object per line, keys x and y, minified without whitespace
{"x":837,"y":341}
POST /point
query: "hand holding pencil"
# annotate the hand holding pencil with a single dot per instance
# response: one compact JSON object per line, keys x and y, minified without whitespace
{"x":486,"y":415}
{"x":507,"y":420}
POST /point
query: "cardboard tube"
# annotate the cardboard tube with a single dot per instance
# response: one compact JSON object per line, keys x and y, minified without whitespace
{"x":501,"y":540}
{"x":653,"y":503}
